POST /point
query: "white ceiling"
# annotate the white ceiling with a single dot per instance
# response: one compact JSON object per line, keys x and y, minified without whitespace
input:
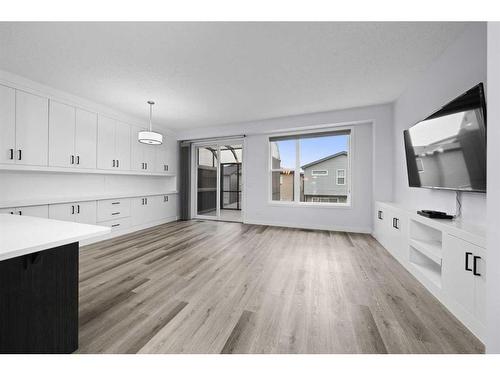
{"x":202,"y":74}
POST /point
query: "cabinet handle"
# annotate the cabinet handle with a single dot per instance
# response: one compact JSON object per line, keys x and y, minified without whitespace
{"x":380,"y":217}
{"x":72,"y":210}
{"x":115,"y":213}
{"x":72,"y":158}
{"x":146,"y":199}
{"x":142,"y":165}
{"x":165,"y":198}
{"x":117,"y":163}
{"x":20,"y":212}
{"x":78,"y":159}
{"x":78,"y":209}
{"x":114,"y":163}
{"x":20,"y":156}
{"x":467,"y":261}
{"x":166,"y":167}
{"x":115,"y":203}
{"x":143,"y":201}
{"x":146,"y":164}
{"x":395,"y":222}
{"x":12,"y":212}
{"x":474,"y":265}
{"x":11,"y":154}
{"x":115,"y":225}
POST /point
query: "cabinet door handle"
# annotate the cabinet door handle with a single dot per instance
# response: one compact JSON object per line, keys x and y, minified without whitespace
{"x":115,"y":225}
{"x":12,"y":212}
{"x":78,"y":209}
{"x":474,"y":265}
{"x":20,"y":212}
{"x":146,"y":164}
{"x":20,"y":154}
{"x":395,"y":222}
{"x":467,"y":261}
{"x":166,"y":167}
{"x":143,"y":201}
{"x":165,"y":198}
{"x":115,"y":213}
{"x":78,"y":159}
{"x":72,"y":210}
{"x":117,"y":163}
{"x":72,"y":158}
{"x":11,"y":154}
{"x":115,"y":203}
{"x":380,"y":217}
{"x":114,"y":163}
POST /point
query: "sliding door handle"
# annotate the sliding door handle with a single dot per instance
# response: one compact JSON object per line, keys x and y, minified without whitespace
{"x":474,"y":265}
{"x":467,"y":268}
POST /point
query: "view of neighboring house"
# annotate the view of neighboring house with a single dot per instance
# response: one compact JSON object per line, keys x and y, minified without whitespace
{"x":322,"y":180}
{"x":325,"y":180}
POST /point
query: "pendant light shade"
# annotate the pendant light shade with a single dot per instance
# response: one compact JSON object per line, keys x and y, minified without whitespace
{"x":149,"y":136}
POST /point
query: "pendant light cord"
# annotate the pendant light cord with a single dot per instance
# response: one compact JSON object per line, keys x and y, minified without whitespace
{"x":151,"y":103}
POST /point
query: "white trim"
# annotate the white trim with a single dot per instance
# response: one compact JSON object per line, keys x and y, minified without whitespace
{"x":323,"y":172}
{"x":328,"y":205}
{"x":337,"y":176}
{"x":333,"y":228}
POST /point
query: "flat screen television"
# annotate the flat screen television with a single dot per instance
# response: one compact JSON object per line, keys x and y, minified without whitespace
{"x":447,"y":150}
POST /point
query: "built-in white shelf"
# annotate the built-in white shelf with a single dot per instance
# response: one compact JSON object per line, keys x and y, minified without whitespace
{"x":433,"y":274}
{"x":32,"y":168}
{"x":430,"y":248}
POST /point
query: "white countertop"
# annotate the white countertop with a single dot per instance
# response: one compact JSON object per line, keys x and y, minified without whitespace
{"x":21,"y":235}
{"x":42,"y":201}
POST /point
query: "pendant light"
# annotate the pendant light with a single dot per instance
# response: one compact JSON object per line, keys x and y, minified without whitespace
{"x":149,"y":136}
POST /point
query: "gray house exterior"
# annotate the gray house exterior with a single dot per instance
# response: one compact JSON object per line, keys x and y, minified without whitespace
{"x":325,"y":180}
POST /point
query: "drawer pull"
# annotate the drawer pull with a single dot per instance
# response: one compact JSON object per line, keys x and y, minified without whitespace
{"x":115,"y":213}
{"x":115,"y":203}
{"x":115,"y":225}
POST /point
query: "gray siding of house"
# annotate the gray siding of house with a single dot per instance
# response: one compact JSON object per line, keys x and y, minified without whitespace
{"x":326,"y":185}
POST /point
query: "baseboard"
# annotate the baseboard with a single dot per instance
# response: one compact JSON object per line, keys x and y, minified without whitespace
{"x":128,"y":230}
{"x":335,"y":228}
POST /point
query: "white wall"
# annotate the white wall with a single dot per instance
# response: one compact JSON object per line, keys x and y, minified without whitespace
{"x":372,"y":150}
{"x":19,"y":186}
{"x":460,"y":67}
{"x":493,"y":186}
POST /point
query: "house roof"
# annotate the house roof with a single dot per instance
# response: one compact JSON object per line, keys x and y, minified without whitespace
{"x":324,"y":159}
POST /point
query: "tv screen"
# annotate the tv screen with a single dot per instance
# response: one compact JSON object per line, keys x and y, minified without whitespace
{"x":447,"y":150}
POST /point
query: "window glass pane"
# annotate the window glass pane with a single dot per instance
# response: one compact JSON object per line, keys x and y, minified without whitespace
{"x":321,"y":160}
{"x":283,"y":154}
{"x":282,"y":186}
{"x":207,"y":181}
{"x":207,"y":156}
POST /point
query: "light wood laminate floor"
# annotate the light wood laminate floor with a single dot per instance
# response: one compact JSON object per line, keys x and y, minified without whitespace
{"x":217,"y":287}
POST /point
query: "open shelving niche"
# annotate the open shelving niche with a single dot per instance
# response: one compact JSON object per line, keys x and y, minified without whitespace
{"x":426,"y":251}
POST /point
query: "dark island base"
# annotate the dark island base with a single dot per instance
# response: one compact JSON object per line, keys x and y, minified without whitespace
{"x":39,"y":302}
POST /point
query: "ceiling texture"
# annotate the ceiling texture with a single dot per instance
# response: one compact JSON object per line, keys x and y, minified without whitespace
{"x":207,"y":73}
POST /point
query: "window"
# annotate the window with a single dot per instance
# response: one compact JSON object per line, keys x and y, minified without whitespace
{"x":310,"y":168}
{"x":316,"y":172}
{"x":340,"y":176}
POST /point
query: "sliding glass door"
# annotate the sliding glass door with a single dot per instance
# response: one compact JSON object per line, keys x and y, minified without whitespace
{"x":218,"y":181}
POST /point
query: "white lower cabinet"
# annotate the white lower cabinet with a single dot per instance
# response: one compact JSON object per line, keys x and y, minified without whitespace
{"x":391,"y":230}
{"x":464,"y":275}
{"x":37,"y":211}
{"x":79,"y":212}
{"x":142,"y":211}
{"x":112,"y":209}
{"x":117,"y":224}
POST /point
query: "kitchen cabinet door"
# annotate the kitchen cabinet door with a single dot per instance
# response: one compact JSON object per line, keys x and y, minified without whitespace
{"x":106,"y":143}
{"x":122,"y":146}
{"x":86,"y":212}
{"x":137,"y":151}
{"x":7,"y":125}
{"x":86,"y":139}
{"x":37,"y":211}
{"x":61,"y":135}
{"x":62,"y":211}
{"x":32,"y":129}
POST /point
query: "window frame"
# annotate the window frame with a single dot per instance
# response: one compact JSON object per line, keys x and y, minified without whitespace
{"x":296,"y":201}
{"x":337,"y":176}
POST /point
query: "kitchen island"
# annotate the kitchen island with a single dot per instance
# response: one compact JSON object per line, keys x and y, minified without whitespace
{"x":39,"y":283}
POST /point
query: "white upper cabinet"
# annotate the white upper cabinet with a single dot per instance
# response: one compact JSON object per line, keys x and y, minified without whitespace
{"x":7,"y":125}
{"x":113,"y":144}
{"x":166,"y":157}
{"x":122,"y":146}
{"x":72,"y":136}
{"x":85,"y":139}
{"x":32,"y":129}
{"x":106,"y":143}
{"x":61,"y":135}
{"x":143,"y":155}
